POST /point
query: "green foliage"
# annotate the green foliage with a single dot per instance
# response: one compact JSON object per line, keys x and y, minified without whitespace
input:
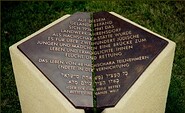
{"x":20,"y":19}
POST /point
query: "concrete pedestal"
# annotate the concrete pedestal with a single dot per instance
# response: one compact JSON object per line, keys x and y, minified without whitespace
{"x":38,"y":95}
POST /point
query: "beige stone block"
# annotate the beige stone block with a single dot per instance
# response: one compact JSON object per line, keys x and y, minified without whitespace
{"x":147,"y":95}
{"x":36,"y":93}
{"x":149,"y":92}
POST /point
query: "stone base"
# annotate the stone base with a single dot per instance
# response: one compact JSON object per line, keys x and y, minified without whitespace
{"x":149,"y":92}
{"x":36,"y":93}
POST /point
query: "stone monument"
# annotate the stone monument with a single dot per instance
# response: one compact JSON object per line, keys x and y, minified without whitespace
{"x":89,"y":61}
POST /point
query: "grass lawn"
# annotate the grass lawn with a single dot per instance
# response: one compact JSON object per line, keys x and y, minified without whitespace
{"x":20,"y":19}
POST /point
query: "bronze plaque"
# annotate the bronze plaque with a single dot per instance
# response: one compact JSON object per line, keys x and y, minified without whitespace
{"x":121,"y":52}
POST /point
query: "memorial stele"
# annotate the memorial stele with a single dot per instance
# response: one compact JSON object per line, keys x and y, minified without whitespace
{"x":89,"y":61}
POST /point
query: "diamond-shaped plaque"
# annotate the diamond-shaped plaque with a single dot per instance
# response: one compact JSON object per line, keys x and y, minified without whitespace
{"x":121,"y":52}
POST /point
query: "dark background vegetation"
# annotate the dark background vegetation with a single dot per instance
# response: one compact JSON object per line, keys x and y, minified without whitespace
{"x":20,"y":19}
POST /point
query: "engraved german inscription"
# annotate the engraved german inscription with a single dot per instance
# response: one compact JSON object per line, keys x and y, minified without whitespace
{"x":118,"y":55}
